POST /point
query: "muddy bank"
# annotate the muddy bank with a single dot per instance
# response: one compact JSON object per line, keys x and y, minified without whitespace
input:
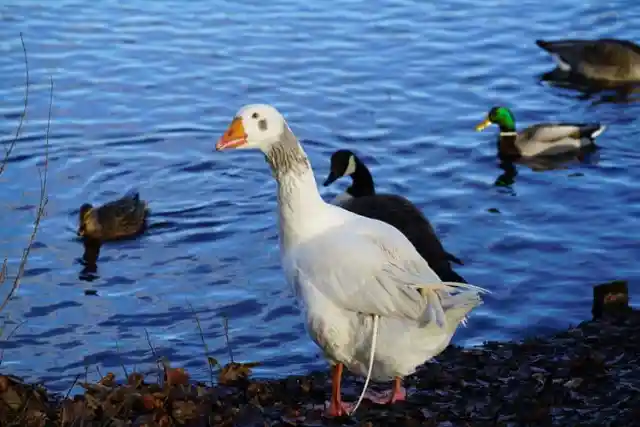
{"x":587,"y":376}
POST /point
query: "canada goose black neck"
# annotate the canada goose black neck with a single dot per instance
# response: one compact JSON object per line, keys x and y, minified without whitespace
{"x":361,"y":181}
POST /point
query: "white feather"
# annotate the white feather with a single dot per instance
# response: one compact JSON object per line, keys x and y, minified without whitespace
{"x":599,"y":131}
{"x":371,"y":358}
{"x":356,"y":277}
{"x":564,"y":66}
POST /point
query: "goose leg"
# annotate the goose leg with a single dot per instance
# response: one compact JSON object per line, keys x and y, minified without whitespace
{"x":396,"y":394}
{"x":337,"y":407}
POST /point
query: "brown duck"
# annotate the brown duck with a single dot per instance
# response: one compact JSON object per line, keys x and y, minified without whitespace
{"x":125,"y":217}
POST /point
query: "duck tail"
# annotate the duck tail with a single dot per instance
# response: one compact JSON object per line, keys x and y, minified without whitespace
{"x":560,"y":51}
{"x":594,"y":131}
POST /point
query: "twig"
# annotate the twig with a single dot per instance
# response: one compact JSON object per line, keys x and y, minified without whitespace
{"x":204,"y":343}
{"x":23,"y":409}
{"x":153,"y":351}
{"x":8,"y":150}
{"x":225,"y":325}
{"x":75,"y":381}
{"x":126,"y":374}
{"x":9,"y":337}
{"x":3,"y":271}
{"x":40,"y":212}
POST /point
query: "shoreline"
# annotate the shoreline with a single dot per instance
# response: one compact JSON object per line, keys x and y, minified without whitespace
{"x":586,"y":375}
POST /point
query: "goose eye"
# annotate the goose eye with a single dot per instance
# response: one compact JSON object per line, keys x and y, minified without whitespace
{"x":255,"y":115}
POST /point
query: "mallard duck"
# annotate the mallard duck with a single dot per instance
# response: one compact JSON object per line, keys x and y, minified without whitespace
{"x":610,"y":60}
{"x":118,"y":219}
{"x":542,"y":139}
{"x":361,"y":198}
{"x":354,"y":276}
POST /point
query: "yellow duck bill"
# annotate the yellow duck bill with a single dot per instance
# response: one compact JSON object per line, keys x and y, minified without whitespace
{"x":482,"y":126}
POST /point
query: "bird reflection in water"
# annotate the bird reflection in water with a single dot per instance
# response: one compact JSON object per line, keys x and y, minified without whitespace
{"x":586,"y":156}
{"x":596,"y":91}
{"x":89,"y":260}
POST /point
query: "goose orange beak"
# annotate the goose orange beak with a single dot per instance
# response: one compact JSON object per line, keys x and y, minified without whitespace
{"x":234,"y":137}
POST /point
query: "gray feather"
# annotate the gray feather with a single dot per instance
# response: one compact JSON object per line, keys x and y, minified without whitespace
{"x":602,"y":59}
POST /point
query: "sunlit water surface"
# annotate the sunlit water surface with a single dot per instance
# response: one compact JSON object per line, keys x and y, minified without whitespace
{"x":143,"y":89}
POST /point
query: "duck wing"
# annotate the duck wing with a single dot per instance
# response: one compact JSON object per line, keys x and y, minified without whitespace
{"x":123,"y":216}
{"x":554,"y":132}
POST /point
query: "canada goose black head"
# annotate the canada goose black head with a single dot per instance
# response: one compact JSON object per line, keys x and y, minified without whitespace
{"x":343,"y":163}
{"x":346,"y":163}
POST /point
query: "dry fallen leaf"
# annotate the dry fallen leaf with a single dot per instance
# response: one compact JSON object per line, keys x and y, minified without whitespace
{"x":234,"y":372}
{"x":73,"y":412}
{"x":164,"y":421}
{"x":11,"y":397}
{"x":4,"y":383}
{"x":175,"y":376}
{"x":183,"y":411}
{"x":149,"y":401}
{"x":135,"y":379}
{"x":108,"y":380}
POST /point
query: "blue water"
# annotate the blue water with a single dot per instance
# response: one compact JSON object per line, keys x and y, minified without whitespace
{"x":143,"y":90}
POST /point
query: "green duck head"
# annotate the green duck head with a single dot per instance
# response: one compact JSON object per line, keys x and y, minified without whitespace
{"x":500,"y":116}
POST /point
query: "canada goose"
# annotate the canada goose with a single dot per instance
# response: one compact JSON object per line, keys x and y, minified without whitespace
{"x":117,"y":219}
{"x":361,"y":198}
{"x":542,"y":139}
{"x":610,"y":60}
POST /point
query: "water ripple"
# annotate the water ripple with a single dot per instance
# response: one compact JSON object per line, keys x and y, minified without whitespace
{"x":142,"y":91}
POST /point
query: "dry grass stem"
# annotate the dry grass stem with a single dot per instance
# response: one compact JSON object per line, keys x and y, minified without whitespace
{"x":210,"y":360}
{"x":43,"y":187}
{"x":12,"y":144}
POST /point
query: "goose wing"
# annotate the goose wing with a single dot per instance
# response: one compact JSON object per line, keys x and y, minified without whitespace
{"x":373,"y":270}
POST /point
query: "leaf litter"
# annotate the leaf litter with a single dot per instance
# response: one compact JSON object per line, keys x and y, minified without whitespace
{"x":585,"y":376}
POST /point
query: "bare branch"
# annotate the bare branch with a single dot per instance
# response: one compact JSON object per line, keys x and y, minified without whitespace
{"x":40,"y":212}
{"x":204,"y":342}
{"x":225,"y":325}
{"x":3,"y":271}
{"x":9,"y":337}
{"x":9,"y":149}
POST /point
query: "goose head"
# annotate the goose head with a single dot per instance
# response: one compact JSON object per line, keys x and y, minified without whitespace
{"x":343,"y":163}
{"x":255,"y":126}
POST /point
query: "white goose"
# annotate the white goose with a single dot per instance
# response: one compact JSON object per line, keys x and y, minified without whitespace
{"x":359,"y":280}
